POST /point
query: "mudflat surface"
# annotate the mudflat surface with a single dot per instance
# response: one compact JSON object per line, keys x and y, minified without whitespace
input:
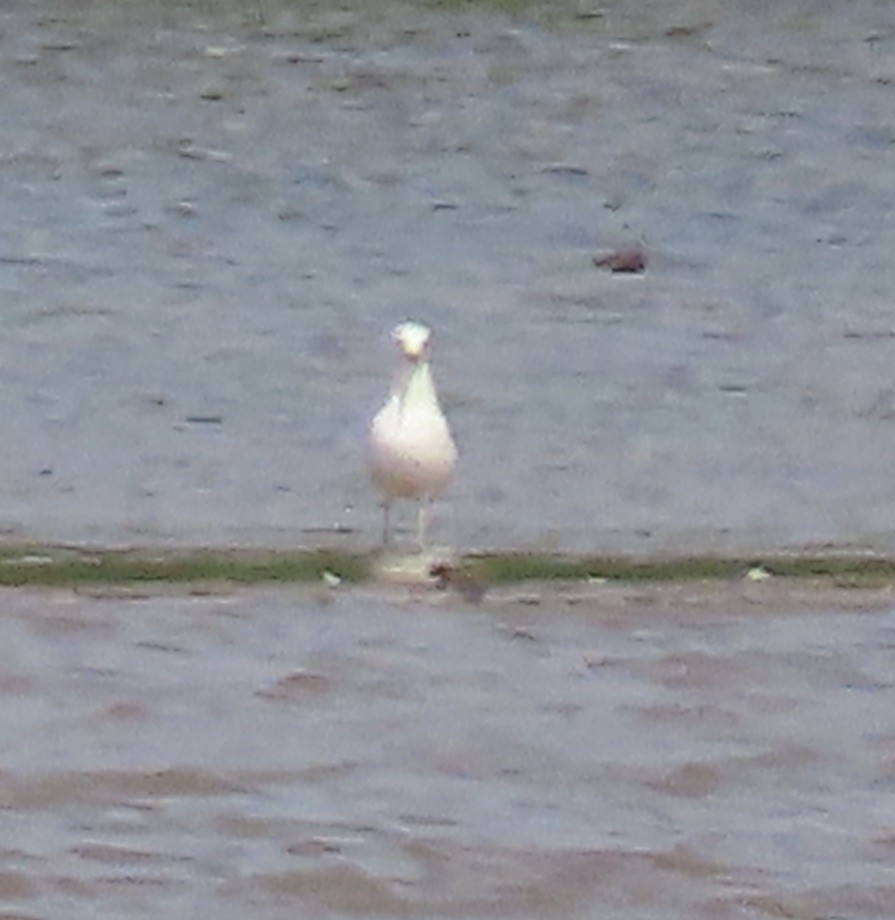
{"x":615,"y":752}
{"x":213,"y":212}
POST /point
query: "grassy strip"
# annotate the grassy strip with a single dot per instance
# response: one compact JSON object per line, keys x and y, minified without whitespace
{"x":510,"y":567}
{"x":56,"y":566}
{"x":42,"y":565}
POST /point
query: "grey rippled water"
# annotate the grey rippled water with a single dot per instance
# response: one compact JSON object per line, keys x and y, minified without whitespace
{"x":213,"y":213}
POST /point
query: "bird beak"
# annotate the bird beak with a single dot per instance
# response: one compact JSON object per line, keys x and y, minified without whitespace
{"x":415,"y":351}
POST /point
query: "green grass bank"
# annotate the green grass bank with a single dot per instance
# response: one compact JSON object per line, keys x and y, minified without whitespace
{"x":74,"y":566}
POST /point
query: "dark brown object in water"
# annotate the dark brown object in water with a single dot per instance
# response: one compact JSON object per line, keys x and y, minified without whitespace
{"x":623,"y":260}
{"x":466,"y":585}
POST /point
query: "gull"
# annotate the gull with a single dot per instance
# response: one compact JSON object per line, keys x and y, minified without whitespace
{"x":411,"y":450}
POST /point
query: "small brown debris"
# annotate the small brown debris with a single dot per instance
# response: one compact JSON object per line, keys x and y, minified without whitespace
{"x":468,"y":586}
{"x":629,"y":261}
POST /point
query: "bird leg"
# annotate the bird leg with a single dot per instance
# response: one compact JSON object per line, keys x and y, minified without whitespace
{"x":386,"y":523}
{"x":423,"y":522}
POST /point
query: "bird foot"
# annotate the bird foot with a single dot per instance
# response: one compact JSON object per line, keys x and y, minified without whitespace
{"x":412,"y":568}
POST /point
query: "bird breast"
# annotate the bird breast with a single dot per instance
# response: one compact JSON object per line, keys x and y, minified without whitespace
{"x":412,"y":453}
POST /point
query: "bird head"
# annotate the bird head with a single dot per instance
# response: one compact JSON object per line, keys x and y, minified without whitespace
{"x":413,"y":340}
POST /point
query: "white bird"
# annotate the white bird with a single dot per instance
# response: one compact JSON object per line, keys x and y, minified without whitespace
{"x":412,"y":453}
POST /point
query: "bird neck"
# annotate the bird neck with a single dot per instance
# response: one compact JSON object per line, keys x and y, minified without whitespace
{"x":414,"y":386}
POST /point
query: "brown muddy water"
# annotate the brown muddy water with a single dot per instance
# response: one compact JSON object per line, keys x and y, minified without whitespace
{"x":214,"y":211}
{"x":593,"y":751}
